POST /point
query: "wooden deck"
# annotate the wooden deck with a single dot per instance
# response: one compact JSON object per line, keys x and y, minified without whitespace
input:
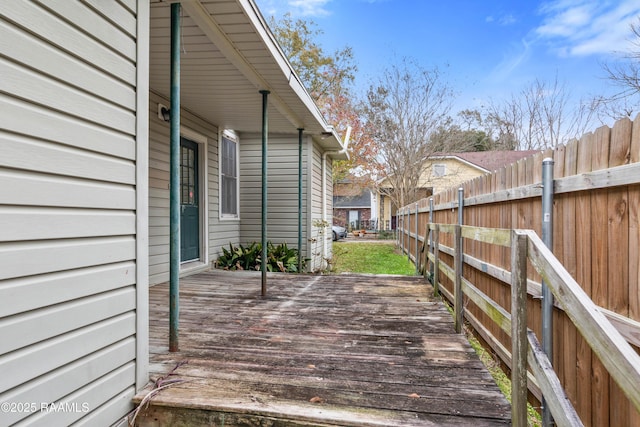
{"x":348,"y":350}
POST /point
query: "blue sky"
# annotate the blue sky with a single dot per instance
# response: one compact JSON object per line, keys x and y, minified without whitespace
{"x":488,"y":48}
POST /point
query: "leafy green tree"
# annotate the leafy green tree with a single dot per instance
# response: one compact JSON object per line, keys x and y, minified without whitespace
{"x":329,"y":79}
{"x":324,"y":75}
{"x":465,"y":134}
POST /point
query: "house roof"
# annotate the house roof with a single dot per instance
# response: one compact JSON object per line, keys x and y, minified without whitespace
{"x":228,"y":56}
{"x":484,"y":161}
{"x":362,"y":200}
{"x":488,"y":161}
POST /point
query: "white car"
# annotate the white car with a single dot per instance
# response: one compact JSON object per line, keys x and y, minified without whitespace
{"x":338,"y":232}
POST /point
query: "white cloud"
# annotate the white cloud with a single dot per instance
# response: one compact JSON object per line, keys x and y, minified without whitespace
{"x":309,"y":7}
{"x":587,"y":27}
{"x":270,"y":7}
{"x":505,"y":20}
{"x":508,"y":19}
{"x":520,"y":53}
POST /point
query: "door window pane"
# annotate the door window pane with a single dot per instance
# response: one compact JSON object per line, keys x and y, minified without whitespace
{"x":188,"y":178}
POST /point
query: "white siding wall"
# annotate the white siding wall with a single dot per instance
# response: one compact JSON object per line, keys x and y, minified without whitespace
{"x":68,"y":209}
{"x":214,"y":232}
{"x":329,"y":206}
{"x":282,"y":190}
{"x":320,"y":239}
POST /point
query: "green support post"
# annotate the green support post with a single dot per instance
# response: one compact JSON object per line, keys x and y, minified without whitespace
{"x":174,"y":182}
{"x":300,"y":130}
{"x":265,"y":133}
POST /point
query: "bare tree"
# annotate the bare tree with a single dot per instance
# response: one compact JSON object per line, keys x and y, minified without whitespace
{"x":405,"y":106}
{"x":625,"y":75}
{"x":539,"y":117}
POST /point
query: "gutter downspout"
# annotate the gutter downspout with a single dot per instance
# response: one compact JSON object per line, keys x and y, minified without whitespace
{"x":324,"y":184}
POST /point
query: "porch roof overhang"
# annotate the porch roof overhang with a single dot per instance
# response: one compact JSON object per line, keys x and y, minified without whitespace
{"x":228,"y":55}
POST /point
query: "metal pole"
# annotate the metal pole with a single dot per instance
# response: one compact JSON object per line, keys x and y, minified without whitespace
{"x":265,"y":132}
{"x":460,"y":204}
{"x":547,"y":296}
{"x":300,"y":200}
{"x":174,"y":182}
{"x":417,"y":259}
{"x":459,"y":251}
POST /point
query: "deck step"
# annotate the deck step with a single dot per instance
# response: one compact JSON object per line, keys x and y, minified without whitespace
{"x":343,"y":350}
{"x":294,"y":415}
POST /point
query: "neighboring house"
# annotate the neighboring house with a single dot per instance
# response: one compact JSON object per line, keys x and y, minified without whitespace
{"x":84,"y":182}
{"x":354,"y":207}
{"x":449,"y":170}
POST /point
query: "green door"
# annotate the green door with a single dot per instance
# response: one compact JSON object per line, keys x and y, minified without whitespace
{"x":189,"y":212}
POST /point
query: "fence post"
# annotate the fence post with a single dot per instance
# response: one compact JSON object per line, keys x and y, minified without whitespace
{"x":407,"y":241}
{"x":519,"y":340}
{"x":400,"y":220}
{"x":430,"y":237}
{"x":417,"y":258}
{"x":457,"y":294}
{"x":457,"y":284}
{"x":547,"y":296}
{"x":436,"y":260}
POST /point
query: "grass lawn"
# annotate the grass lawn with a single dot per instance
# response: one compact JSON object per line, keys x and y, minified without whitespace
{"x":373,"y":258}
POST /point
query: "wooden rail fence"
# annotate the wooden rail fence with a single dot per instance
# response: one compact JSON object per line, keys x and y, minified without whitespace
{"x":596,"y":242}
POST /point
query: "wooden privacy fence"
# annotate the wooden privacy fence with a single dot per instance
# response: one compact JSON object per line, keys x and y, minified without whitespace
{"x":596,"y":238}
{"x":616,"y":354}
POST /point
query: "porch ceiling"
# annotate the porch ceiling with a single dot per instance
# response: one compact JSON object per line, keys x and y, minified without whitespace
{"x":228,"y":55}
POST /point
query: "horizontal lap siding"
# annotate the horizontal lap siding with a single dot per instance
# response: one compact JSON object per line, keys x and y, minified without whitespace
{"x":282,"y":190}
{"x":315,"y":244}
{"x":216,"y":232}
{"x":67,"y":209}
{"x":329,"y":203}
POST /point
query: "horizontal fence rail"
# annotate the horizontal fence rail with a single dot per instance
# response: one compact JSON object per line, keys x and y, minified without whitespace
{"x":622,"y":362}
{"x":595,"y":237}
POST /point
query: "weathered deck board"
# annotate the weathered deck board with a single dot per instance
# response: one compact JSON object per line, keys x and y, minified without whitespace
{"x":371,"y":350}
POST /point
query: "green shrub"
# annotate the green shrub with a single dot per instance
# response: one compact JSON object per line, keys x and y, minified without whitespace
{"x":279,"y":258}
{"x":386,"y":234}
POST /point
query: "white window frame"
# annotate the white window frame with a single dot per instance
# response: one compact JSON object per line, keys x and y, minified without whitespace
{"x":232,"y":136}
{"x":437,"y":166}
